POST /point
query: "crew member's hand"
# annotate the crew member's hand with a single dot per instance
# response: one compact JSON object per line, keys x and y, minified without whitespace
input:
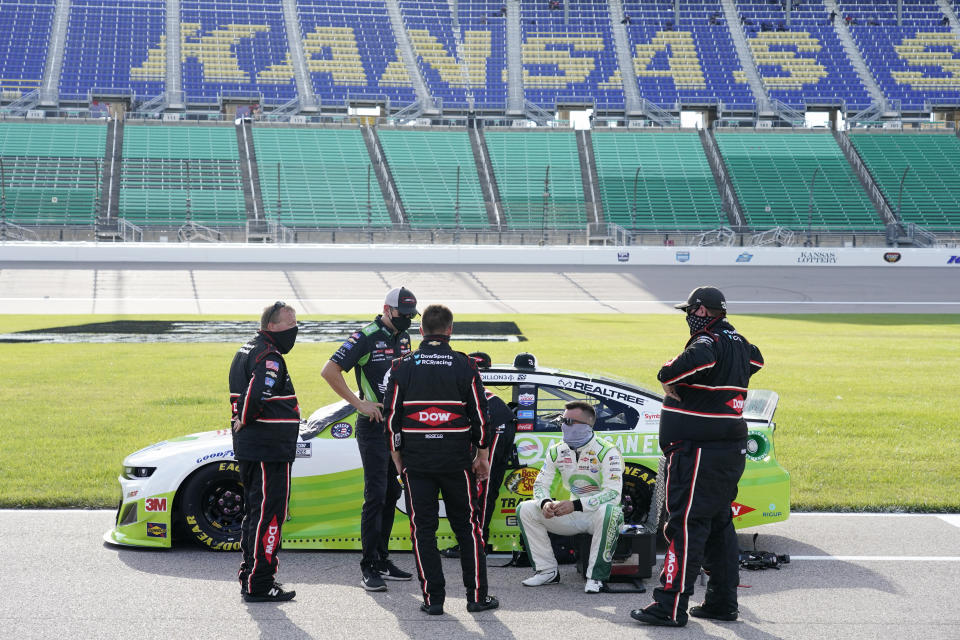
{"x":481,"y":468}
{"x":237,"y":425}
{"x":562,"y":508}
{"x":371,"y":410}
{"x":670,"y":391}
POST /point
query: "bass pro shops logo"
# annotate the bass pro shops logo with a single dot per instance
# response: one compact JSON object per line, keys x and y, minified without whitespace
{"x":433,"y":416}
{"x":270,"y":539}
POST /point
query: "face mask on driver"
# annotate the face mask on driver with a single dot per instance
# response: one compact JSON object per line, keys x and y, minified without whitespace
{"x":576,"y":435}
{"x":400,"y":323}
{"x":284,"y":339}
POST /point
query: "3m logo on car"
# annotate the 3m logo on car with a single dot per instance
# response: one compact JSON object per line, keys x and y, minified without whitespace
{"x":155,"y":504}
{"x":433,"y":416}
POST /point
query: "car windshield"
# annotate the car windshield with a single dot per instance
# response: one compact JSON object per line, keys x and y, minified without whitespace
{"x":611,"y":415}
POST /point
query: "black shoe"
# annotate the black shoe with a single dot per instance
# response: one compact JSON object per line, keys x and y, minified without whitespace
{"x":488,"y":603}
{"x":451,"y":552}
{"x":371,"y":579}
{"x":432,"y":609}
{"x":390,"y":571}
{"x":712,"y":613}
{"x":273,"y":594}
{"x":648,"y":617}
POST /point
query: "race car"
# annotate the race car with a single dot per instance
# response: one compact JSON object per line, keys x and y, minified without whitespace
{"x":189,"y":487}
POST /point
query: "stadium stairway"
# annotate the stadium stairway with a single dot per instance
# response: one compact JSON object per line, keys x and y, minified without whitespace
{"x":249,"y":172}
{"x":588,"y":173}
{"x":106,"y":226}
{"x":721,"y":176}
{"x":491,"y":193}
{"x":388,"y":188}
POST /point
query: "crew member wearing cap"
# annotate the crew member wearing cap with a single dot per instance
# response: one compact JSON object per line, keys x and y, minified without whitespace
{"x":703,"y":437}
{"x":369,"y":352}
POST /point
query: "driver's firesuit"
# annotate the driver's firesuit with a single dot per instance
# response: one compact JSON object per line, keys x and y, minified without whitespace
{"x":593,"y":474}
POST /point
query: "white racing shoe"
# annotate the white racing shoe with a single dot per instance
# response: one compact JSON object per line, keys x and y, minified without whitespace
{"x":540,"y":578}
{"x":593,"y":586}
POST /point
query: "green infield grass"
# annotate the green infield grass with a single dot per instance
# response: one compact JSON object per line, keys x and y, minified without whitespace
{"x":868,"y":413}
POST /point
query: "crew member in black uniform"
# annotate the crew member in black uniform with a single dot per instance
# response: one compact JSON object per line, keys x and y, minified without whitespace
{"x":703,"y":436}
{"x":435,"y":410}
{"x":370,"y":351}
{"x":265,"y":420}
{"x":503,"y":427}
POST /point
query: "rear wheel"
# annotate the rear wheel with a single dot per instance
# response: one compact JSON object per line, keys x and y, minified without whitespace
{"x":211,"y":507}
{"x":639,"y":484}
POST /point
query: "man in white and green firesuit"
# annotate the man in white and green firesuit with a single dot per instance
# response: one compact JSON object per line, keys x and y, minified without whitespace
{"x":591,"y":469}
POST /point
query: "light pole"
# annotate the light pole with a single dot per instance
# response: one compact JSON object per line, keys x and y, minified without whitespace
{"x":899,"y":220}
{"x":813,"y":181}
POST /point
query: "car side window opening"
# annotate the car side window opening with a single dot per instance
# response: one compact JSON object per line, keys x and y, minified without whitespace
{"x":611,"y":414}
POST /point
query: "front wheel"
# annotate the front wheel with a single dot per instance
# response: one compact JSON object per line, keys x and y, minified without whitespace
{"x":211,"y":506}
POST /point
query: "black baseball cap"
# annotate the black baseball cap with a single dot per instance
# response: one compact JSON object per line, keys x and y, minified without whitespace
{"x":709,"y":297}
{"x":403,"y":300}
{"x":525,"y":361}
{"x":482,"y":359}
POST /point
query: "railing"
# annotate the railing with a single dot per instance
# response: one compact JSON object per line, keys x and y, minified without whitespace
{"x":866,"y":179}
{"x":716,"y":162}
{"x":661,"y":116}
{"x":269,"y":231}
{"x":11,"y":231}
{"x":536,"y":113}
{"x":777,"y":236}
{"x":117,"y":229}
{"x":787,"y":113}
{"x":608,"y":233}
{"x":719,"y":237}
{"x":192,"y":231}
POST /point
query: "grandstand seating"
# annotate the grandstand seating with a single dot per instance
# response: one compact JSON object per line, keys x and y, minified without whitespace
{"x":114,"y":47}
{"x":805,"y":63}
{"x":324,"y":179}
{"x":424,"y":165}
{"x":931,"y":188}
{"x":772,"y":174}
{"x":352,"y":53}
{"x":675,"y":188}
{"x":917,"y":63}
{"x":164,"y":166}
{"x":483,"y":32}
{"x":520,"y":160}
{"x":455,"y":62}
{"x":23,"y":50}
{"x":685,"y":61}
{"x":235,"y":49}
{"x":51,"y":172}
{"x":570,"y":62}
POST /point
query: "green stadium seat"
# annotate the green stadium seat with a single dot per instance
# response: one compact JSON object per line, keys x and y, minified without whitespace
{"x":52,"y":171}
{"x":325,"y":178}
{"x":165,"y":168}
{"x":931,"y":188}
{"x":772,"y":173}
{"x":424,"y":166}
{"x":675,"y":188}
{"x":520,"y":160}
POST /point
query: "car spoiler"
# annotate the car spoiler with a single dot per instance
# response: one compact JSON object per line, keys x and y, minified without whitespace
{"x":760,"y":405}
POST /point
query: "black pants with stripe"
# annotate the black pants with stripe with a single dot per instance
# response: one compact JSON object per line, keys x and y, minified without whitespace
{"x":701,"y":484}
{"x":266,"y":494}
{"x":501,"y":451}
{"x":460,"y":500}
{"x":380,"y":491}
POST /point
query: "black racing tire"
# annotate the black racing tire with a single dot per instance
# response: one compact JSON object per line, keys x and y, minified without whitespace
{"x":639,"y":488}
{"x":211,"y":507}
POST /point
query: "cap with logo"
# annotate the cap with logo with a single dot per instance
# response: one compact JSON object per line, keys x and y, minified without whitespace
{"x":403,"y":300}
{"x":525,"y":361}
{"x":482,"y":359}
{"x":709,"y":297}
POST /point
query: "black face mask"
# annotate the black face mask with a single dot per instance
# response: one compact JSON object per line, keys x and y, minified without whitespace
{"x":401,"y":323}
{"x":698,"y":323}
{"x":284,"y":339}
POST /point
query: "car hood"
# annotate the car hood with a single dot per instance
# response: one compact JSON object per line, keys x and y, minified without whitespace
{"x":205,"y":446}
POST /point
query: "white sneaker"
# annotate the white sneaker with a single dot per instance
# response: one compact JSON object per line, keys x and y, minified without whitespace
{"x":592,"y":586}
{"x":540,"y":578}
